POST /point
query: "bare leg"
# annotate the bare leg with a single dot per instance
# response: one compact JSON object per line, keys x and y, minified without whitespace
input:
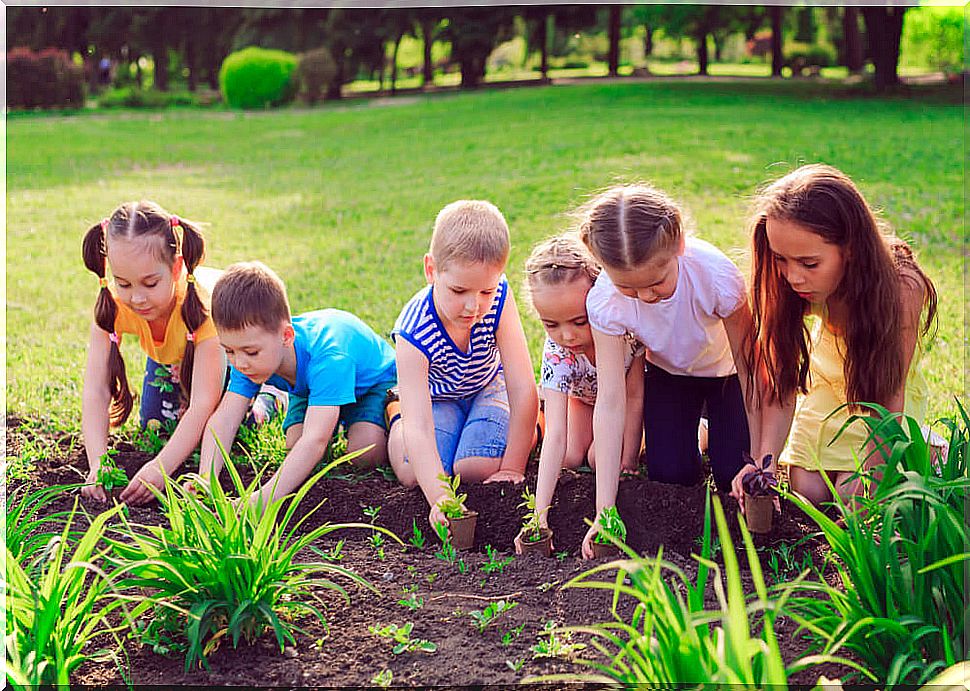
{"x":579,"y":433}
{"x":363,"y":434}
{"x":477,"y":468}
{"x":810,"y":484}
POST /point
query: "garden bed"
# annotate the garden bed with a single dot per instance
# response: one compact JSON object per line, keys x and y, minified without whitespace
{"x":348,"y":653}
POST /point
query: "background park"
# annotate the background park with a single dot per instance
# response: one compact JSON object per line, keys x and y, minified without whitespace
{"x":358,"y":126}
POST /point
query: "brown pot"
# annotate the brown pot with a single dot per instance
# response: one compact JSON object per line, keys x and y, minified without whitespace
{"x":541,"y":546}
{"x":463,"y":530}
{"x":609,"y":551}
{"x":759,"y":512}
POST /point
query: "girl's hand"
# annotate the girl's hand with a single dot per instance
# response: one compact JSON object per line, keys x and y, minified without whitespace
{"x":737,"y":489}
{"x":518,"y":542}
{"x":505,"y":476}
{"x":436,"y":515}
{"x":587,"y":548}
{"x":92,"y":490}
{"x":137,"y":492}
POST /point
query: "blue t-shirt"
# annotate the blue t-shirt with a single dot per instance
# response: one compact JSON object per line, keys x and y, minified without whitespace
{"x":452,"y":372}
{"x":338,"y":358}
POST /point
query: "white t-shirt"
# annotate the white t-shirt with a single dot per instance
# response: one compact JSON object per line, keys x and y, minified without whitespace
{"x":684,"y":334}
{"x":573,"y":374}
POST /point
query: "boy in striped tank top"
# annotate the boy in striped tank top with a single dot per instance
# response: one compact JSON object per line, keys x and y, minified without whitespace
{"x":468,"y":397}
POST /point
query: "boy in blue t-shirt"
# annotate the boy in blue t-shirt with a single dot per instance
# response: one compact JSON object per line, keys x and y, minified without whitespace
{"x":333,"y":366}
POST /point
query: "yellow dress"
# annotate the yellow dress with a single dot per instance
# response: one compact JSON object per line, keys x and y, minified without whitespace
{"x":808,"y":443}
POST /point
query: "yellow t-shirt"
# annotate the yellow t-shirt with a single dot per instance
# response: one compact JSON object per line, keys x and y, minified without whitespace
{"x":811,"y":432}
{"x":171,"y":350}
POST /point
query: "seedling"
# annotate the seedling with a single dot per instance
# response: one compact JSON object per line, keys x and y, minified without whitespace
{"x":453,"y":505}
{"x":462,"y":566}
{"x":110,"y":476}
{"x":610,"y":525}
{"x":334,"y":553}
{"x":762,"y":482}
{"x":401,"y":636}
{"x":371,"y":512}
{"x":376,"y":540}
{"x":516,"y":665}
{"x":382,"y":679}
{"x":412,"y":602}
{"x":495,"y":563}
{"x":531,"y":519}
{"x":483,"y":618}
{"x":430,"y":578}
{"x":447,"y":551}
{"x":417,"y":538}
{"x":559,"y":644}
{"x":561,"y":556}
{"x":512,"y":634}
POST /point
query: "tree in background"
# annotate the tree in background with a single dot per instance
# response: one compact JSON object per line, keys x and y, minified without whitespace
{"x":537,"y":20}
{"x":428,"y":22}
{"x":884,"y":29}
{"x":777,"y":34}
{"x":474,"y":32}
{"x":613,"y":24}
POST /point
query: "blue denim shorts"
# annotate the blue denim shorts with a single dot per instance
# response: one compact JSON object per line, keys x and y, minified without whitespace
{"x":475,"y":427}
{"x":369,"y":407}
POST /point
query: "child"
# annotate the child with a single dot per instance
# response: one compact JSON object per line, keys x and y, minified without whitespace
{"x":559,"y":274}
{"x":685,"y":300}
{"x":160,"y":294}
{"x":818,"y":250}
{"x":459,"y":344}
{"x":332,"y":365}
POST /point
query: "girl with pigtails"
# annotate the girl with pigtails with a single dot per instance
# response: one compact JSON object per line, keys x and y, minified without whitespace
{"x":159,"y":294}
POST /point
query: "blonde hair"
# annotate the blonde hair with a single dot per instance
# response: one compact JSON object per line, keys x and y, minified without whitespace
{"x":472,"y":231}
{"x":627,"y":225}
{"x":559,"y":260}
{"x":249,"y":294}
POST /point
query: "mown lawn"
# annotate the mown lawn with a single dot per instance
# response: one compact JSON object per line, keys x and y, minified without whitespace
{"x":340,"y":199}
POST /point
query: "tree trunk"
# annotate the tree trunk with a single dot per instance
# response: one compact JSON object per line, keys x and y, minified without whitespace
{"x":777,"y":58}
{"x":397,"y":44}
{"x":718,"y":46}
{"x":333,"y":88}
{"x":544,"y":47}
{"x":160,"y":56}
{"x":139,"y":77}
{"x":614,"y":30}
{"x":647,"y":41}
{"x":851,"y":39}
{"x":702,"y":56}
{"x":884,"y":28}
{"x":427,"y":27}
{"x":381,"y":67}
{"x":190,"y":63}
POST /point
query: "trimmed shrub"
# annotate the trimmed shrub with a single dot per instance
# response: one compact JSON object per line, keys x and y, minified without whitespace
{"x":45,"y":79}
{"x":257,"y":78}
{"x":315,"y":73}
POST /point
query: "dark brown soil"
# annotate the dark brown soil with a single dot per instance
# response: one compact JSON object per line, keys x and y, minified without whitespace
{"x":346,"y":653}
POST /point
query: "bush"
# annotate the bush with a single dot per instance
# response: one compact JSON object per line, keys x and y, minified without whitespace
{"x":809,"y":57}
{"x":314,"y":74}
{"x":258,"y":78}
{"x":47,"y":79}
{"x":133,"y":97}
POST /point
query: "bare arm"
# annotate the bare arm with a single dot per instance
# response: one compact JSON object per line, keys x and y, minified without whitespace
{"x":523,"y":397}
{"x":633,"y":427}
{"x":306,"y":452}
{"x":737,"y":326}
{"x":607,"y":434}
{"x":553,"y":451}
{"x":223,"y":426}
{"x":416,"y":417}
{"x":207,"y":377}
{"x":95,"y":400}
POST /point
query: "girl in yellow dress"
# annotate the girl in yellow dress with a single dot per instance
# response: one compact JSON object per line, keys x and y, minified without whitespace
{"x":818,"y":250}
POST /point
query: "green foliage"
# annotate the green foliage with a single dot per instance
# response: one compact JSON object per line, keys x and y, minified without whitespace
{"x":447,"y":551}
{"x":671,"y":638}
{"x":933,"y":37}
{"x":495,"y":563}
{"x":153,"y":437}
{"x":901,"y":557}
{"x":110,"y":476}
{"x":454,"y":504}
{"x":133,"y":97}
{"x":401,"y":636}
{"x":383,"y":679}
{"x":531,"y":525}
{"x":59,"y":607}
{"x":417,"y":538}
{"x":32,"y":528}
{"x":228,"y":567}
{"x":483,"y":618}
{"x":264,"y":444}
{"x":315,"y":72}
{"x":611,"y":525}
{"x":256,"y":78}
{"x":558,"y":642}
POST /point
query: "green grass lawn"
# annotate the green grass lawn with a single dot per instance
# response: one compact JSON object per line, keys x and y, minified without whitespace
{"x":340,"y":199}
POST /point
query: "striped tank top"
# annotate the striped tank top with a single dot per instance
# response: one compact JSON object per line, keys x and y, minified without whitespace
{"x":452,"y":373}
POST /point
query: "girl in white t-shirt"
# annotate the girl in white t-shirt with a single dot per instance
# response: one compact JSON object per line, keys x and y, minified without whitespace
{"x":559,"y":274}
{"x":686,"y":302}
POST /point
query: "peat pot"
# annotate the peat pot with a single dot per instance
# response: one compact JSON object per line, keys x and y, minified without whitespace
{"x":759,"y":512}
{"x":463,"y":530}
{"x":541,"y":546}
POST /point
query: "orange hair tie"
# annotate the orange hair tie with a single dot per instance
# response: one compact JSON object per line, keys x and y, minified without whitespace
{"x":177,"y":232}
{"x":190,"y":278}
{"x":103,"y":282}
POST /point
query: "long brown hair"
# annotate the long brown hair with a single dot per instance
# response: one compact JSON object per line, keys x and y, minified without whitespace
{"x":175,"y":237}
{"x":824,"y":200}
